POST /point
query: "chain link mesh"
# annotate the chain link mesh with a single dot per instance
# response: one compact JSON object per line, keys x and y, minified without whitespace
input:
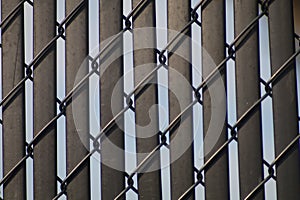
{"x":232,"y":48}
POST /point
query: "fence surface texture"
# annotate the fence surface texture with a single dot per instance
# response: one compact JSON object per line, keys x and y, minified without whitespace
{"x":150,"y":99}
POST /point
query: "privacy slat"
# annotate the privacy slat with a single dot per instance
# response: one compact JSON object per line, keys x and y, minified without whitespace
{"x":146,"y":115}
{"x":213,"y":41}
{"x":77,"y":140}
{"x":44,"y":108}
{"x":178,"y":17}
{"x":13,"y":111}
{"x":284,"y":94}
{"x":112,"y":178}
{"x":248,"y":91}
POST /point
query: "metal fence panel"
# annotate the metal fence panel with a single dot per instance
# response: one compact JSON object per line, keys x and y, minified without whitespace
{"x":176,"y":57}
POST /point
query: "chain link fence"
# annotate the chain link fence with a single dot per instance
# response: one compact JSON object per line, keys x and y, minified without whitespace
{"x":213,"y":175}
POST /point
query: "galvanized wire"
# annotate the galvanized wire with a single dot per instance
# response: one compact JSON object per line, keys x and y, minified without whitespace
{"x":34,"y":64}
{"x":232,"y":48}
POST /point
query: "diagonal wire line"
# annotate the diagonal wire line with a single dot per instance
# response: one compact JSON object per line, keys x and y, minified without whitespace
{"x":103,"y":50}
{"x":276,"y":161}
{"x":35,"y":61}
{"x":231,"y":51}
{"x":272,"y":80}
{"x":240,"y":121}
{"x":14,"y":11}
{"x":77,"y":87}
{"x":112,"y":122}
{"x":240,"y":37}
{"x":68,"y":97}
{"x":42,"y":54}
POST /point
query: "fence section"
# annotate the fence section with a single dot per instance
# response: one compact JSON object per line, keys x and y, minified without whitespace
{"x":178,"y":135}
